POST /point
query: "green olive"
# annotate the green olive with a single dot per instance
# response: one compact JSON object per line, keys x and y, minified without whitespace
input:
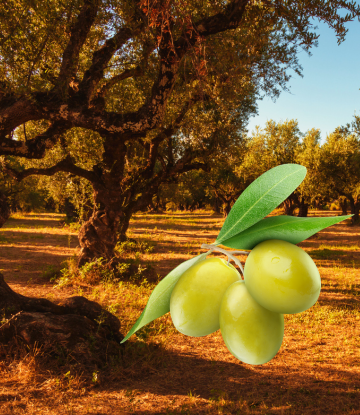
{"x":252,"y":333}
{"x":282,"y":277}
{"x":196,"y":298}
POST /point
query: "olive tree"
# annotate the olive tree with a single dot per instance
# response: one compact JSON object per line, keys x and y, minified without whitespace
{"x":145,"y":83}
{"x":340,"y":167}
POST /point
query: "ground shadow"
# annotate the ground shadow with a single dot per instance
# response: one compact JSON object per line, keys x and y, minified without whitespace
{"x":225,"y":384}
{"x":29,"y":223}
{"x":222,"y":386}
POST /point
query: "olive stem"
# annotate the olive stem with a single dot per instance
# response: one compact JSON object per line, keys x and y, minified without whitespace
{"x":227,"y":253}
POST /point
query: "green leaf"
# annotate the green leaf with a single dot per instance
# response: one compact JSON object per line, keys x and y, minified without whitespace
{"x":159,"y":301}
{"x":260,"y":198}
{"x":287,"y":228}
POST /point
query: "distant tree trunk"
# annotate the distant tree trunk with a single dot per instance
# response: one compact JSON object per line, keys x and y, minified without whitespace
{"x":217,"y":206}
{"x":289,"y":207}
{"x":70,"y":210}
{"x":158,"y":207}
{"x":303,"y":209}
{"x":354,"y":209}
{"x":344,"y":206}
{"x":318,"y":204}
{"x":4,"y":209}
{"x":226,"y":207}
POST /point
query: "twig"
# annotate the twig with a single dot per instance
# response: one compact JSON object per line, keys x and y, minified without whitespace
{"x":10,"y":319}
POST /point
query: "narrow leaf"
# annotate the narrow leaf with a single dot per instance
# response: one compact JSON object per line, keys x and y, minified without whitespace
{"x":288,"y":228}
{"x":159,"y":301}
{"x":261,"y":197}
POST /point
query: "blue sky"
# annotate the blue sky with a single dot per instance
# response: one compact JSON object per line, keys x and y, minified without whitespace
{"x":328,"y":95}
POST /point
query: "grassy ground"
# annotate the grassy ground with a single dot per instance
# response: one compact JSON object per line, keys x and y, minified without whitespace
{"x":317,"y":370}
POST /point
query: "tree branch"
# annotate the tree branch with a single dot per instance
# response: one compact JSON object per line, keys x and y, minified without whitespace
{"x":14,"y":111}
{"x":37,"y":146}
{"x":128,"y":73}
{"x":130,"y":125}
{"x":165,"y":134}
{"x":78,"y":35}
{"x":102,"y":57}
{"x":229,"y":19}
{"x":65,"y":165}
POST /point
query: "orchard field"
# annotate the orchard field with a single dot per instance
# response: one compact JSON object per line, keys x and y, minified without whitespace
{"x":317,"y":370}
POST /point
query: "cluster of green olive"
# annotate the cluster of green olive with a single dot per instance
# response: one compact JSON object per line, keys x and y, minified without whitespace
{"x":279,"y":278}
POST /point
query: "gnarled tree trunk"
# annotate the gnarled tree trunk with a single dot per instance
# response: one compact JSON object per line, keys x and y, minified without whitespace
{"x":98,"y":236}
{"x":109,"y":221}
{"x":79,"y":330}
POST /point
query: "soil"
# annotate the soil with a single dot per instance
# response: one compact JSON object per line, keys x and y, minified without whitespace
{"x":317,"y":370}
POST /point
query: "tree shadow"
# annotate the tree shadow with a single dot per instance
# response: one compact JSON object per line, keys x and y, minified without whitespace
{"x":223,"y":384}
{"x":341,"y":303}
{"x":27,"y":256}
{"x":29,"y":223}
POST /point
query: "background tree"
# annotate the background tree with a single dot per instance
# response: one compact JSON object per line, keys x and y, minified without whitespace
{"x":223,"y":182}
{"x":340,"y":167}
{"x":143,"y":82}
{"x":188,"y":192}
{"x":276,"y":144}
{"x":308,"y":153}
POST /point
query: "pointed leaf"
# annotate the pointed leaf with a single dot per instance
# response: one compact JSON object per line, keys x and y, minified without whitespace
{"x":159,"y":301}
{"x":261,"y":197}
{"x":288,"y":228}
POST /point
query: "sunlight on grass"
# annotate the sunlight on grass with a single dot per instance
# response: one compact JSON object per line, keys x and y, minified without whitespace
{"x":315,"y":367}
{"x":340,"y":247}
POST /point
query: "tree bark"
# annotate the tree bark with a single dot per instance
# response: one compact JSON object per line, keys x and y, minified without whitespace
{"x":98,"y":236}
{"x":76,"y":330}
{"x":109,"y":221}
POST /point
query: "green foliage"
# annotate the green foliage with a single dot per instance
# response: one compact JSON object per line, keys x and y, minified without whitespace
{"x":340,"y":160}
{"x":90,"y":273}
{"x":73,"y":226}
{"x":51,"y":273}
{"x":129,"y":246}
{"x":25,"y":196}
{"x":102,"y":271}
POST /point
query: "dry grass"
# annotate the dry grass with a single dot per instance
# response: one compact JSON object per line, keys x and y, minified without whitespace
{"x":164,"y":372}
